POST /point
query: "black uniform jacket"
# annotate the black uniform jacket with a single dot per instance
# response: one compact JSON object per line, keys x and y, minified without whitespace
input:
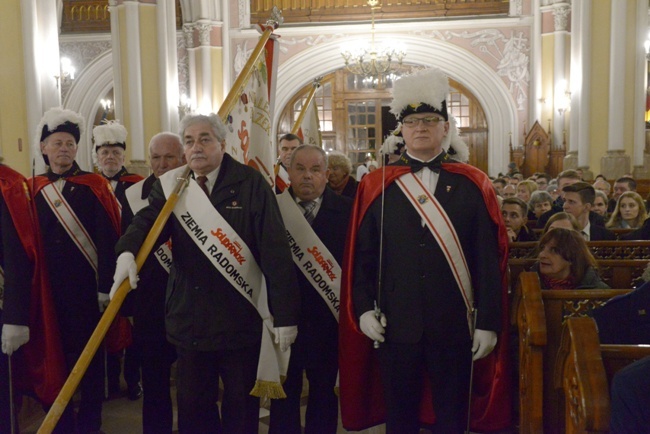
{"x":420,"y":295}
{"x":73,"y":281}
{"x":203,"y":311}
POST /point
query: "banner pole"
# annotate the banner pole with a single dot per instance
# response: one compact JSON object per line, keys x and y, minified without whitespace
{"x":303,"y":110}
{"x":77,"y":373}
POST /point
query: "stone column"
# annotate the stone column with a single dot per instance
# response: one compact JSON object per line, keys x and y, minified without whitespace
{"x":561,"y":103}
{"x":616,"y":163}
{"x":641,"y":159}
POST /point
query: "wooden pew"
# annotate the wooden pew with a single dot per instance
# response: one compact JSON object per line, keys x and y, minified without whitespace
{"x":617,"y":273}
{"x":584,"y":373}
{"x":618,"y":232}
{"x":600,"y":249}
{"x":539,"y":316}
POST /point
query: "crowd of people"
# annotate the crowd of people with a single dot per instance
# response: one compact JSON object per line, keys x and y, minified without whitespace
{"x":390,"y":288}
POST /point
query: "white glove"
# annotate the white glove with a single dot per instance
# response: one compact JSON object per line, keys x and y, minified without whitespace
{"x":126,"y":267}
{"x":13,"y":337}
{"x":102,"y":300}
{"x":483,"y":343}
{"x":372,"y":327}
{"x":285,"y":336}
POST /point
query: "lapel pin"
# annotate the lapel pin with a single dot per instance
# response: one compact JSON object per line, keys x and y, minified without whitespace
{"x":448,"y":188}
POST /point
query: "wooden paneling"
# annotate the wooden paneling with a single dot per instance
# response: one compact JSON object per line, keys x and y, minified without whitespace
{"x":300,"y":11}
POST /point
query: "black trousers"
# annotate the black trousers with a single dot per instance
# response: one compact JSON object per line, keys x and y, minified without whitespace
{"x":318,"y":358}
{"x":402,"y":369}
{"x":157,"y":357}
{"x":198,"y":391}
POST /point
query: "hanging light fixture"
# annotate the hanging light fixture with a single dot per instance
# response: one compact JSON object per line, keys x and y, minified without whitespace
{"x":370,"y":61}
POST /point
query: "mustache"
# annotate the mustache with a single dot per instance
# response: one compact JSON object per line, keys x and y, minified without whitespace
{"x":198,"y":155}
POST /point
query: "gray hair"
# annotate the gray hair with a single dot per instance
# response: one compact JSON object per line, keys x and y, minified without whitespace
{"x":603,"y":195}
{"x":218,"y":128}
{"x":339,"y":159}
{"x":167,"y":135}
{"x":308,"y":148}
{"x":539,"y":196}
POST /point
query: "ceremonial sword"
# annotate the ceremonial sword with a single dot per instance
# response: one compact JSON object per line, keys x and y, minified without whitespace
{"x":381,"y":249}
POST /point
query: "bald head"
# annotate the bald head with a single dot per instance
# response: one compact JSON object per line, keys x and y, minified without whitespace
{"x":165,"y":153}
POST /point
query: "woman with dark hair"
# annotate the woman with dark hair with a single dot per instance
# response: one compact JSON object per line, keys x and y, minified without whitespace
{"x":565,"y":262}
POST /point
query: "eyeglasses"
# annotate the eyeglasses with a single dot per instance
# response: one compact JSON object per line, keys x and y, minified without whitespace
{"x":429,"y":121}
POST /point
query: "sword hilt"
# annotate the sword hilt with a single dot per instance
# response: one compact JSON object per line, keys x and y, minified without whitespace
{"x":375,"y":344}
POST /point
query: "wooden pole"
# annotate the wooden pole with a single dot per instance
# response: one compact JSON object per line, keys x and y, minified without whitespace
{"x":315,"y":85}
{"x":111,"y":311}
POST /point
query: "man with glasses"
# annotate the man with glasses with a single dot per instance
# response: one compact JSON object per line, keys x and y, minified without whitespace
{"x":442,"y":258}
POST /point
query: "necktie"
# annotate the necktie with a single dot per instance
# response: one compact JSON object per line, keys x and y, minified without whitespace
{"x":202,"y":181}
{"x":308,"y":206}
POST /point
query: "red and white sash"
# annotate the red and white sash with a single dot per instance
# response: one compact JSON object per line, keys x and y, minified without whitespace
{"x":134,"y":197}
{"x":71,"y":223}
{"x":310,"y":255}
{"x":230,"y":256}
{"x":443,"y":231}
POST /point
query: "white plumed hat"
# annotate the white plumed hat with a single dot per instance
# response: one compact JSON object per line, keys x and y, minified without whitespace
{"x":424,"y":91}
{"x":58,"y":120}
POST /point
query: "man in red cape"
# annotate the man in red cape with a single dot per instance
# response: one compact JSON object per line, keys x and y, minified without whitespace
{"x":364,"y":402}
{"x":27,"y":313}
{"x":79,"y":222}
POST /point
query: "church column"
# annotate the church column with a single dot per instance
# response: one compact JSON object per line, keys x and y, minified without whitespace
{"x":581,"y":86}
{"x":641,"y":159}
{"x":536,"y":69}
{"x":206,"y":75}
{"x":616,"y":163}
{"x":42,"y":64}
{"x":146,"y":73}
{"x":561,"y":106}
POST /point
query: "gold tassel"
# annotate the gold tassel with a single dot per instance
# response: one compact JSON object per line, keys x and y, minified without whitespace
{"x":268,"y":389}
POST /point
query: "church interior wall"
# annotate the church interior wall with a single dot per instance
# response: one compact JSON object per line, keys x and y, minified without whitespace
{"x":150,"y":75}
{"x":13,"y":105}
{"x":599,"y":70}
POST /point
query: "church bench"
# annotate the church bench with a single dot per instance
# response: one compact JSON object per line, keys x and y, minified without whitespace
{"x":617,"y":273}
{"x":618,"y":232}
{"x":539,"y":315}
{"x":600,"y":249}
{"x":584,"y":373}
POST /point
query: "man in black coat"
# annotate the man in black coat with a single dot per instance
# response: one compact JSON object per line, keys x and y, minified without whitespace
{"x":316,"y":348}
{"x":17,"y":266}
{"x":109,"y":151}
{"x":578,"y":200}
{"x":147,"y":304}
{"x":78,"y":295}
{"x":215,"y":327}
{"x":423,"y":326}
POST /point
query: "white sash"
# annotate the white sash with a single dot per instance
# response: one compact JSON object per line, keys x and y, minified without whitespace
{"x":283,"y":174}
{"x":444,"y":233}
{"x":134,"y":197}
{"x":310,"y":255}
{"x":71,"y":223}
{"x":230,"y":255}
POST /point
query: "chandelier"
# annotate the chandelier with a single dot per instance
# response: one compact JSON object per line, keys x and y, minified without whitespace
{"x":371,"y":61}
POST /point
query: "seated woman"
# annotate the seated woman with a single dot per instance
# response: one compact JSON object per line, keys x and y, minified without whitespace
{"x":339,"y":178}
{"x":630,"y":212}
{"x":565,"y":262}
{"x":562,"y":220}
{"x":600,"y":204}
{"x":525,"y":189}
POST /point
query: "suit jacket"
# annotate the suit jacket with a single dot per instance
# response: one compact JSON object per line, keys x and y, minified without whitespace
{"x":204,"y":312}
{"x":420,"y":295}
{"x":599,"y":233}
{"x":625,"y":319}
{"x":330,"y":225}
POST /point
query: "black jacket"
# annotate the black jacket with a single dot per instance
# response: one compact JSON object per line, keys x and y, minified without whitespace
{"x":204,"y":312}
{"x":599,"y":233}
